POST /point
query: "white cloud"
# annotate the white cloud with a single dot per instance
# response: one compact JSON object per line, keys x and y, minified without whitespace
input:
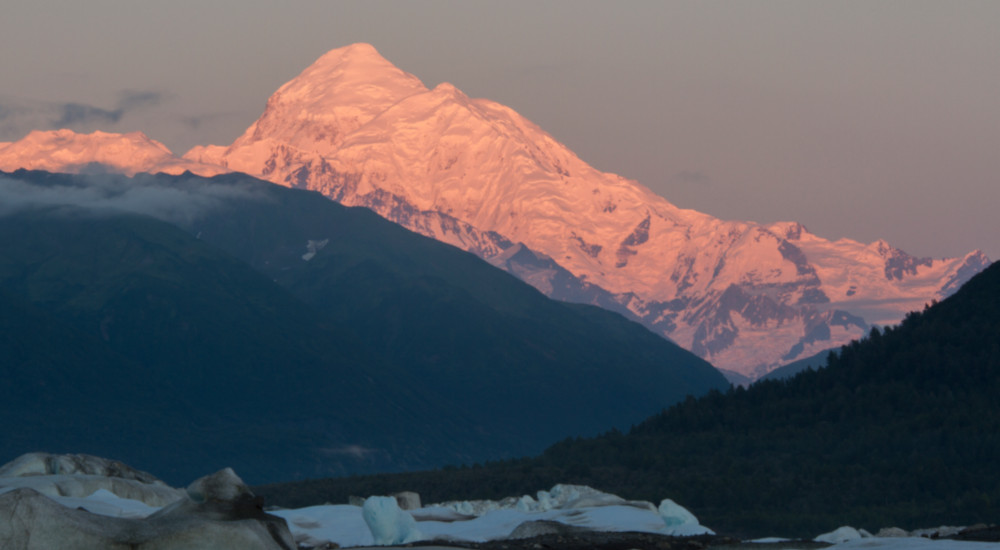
{"x":172,"y":200}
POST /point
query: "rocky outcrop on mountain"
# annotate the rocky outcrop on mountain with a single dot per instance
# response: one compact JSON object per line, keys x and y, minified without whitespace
{"x":475,"y":174}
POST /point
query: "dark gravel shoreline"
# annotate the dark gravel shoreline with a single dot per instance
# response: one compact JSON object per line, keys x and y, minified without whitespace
{"x":980,"y":534}
{"x":605,"y":541}
{"x":615,"y":541}
{"x":652,"y":541}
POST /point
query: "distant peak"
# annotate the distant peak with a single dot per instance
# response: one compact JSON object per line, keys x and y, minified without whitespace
{"x":359,"y":48}
{"x":348,"y":70}
{"x":360,"y":53}
{"x":446,"y":88}
{"x":340,"y":92}
{"x":791,"y":231}
{"x":64,"y":150}
{"x":448,"y":91}
{"x":882,"y":247}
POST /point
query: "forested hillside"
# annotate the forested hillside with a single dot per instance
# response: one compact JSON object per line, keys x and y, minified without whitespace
{"x":901,"y":428}
{"x":289,"y":336}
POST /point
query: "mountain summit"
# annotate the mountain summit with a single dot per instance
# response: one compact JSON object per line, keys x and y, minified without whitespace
{"x":476,"y":174}
{"x":336,"y":95}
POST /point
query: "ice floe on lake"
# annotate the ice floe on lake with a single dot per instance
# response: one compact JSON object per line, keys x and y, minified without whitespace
{"x":570,"y":507}
{"x":134,"y":504}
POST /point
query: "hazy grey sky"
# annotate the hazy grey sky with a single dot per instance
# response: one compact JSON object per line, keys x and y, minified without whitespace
{"x":860,"y":119}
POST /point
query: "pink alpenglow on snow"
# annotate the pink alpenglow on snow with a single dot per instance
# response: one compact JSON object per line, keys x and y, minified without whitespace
{"x":473,"y":173}
{"x":67,"y":151}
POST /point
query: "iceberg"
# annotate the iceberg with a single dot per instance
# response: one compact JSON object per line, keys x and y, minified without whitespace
{"x":675,"y":515}
{"x":101,"y":503}
{"x":840,"y":535}
{"x":679,"y":520}
{"x":388,"y":523}
{"x":562,"y":509}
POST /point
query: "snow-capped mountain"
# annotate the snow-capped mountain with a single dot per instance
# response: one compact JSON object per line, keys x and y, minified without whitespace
{"x":67,"y":151}
{"x":475,"y":174}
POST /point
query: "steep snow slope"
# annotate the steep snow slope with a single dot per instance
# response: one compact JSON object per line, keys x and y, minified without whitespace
{"x":475,"y":174}
{"x":478,"y":175}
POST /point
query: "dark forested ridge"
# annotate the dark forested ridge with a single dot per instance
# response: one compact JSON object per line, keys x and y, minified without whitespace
{"x":902,"y":428}
{"x":184,"y":324}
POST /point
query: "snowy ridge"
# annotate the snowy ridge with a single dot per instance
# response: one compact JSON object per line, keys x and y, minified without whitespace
{"x":67,"y":151}
{"x":475,"y":174}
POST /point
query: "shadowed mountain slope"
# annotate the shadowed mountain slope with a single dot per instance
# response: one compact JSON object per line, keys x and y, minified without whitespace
{"x":280,"y":333}
{"x":902,"y":428}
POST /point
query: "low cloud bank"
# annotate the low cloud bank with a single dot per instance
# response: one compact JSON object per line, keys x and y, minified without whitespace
{"x":176,"y":201}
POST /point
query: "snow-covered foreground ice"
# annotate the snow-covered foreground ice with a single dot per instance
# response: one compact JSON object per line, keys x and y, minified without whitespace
{"x":345,"y":525}
{"x":105,"y":489}
{"x":100,"y":491}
